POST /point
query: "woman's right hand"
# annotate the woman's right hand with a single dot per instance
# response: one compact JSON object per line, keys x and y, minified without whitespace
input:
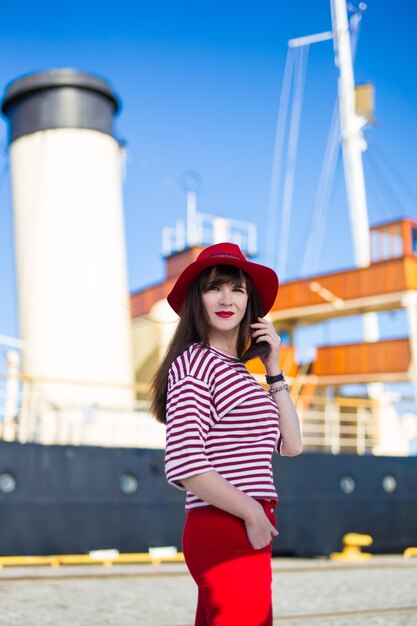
{"x":259,"y":529}
{"x":216,"y":490}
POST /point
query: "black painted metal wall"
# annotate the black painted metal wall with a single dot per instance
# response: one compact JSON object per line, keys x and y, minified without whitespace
{"x":66,"y":499}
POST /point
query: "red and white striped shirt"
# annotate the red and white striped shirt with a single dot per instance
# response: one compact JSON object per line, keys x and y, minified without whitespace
{"x":219,"y":418}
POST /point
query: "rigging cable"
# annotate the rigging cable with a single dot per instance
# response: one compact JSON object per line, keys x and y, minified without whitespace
{"x":277,"y":156}
{"x":394,"y":172}
{"x":383,"y":206}
{"x":383,"y":181}
{"x":326,"y":181}
{"x":299,"y":82}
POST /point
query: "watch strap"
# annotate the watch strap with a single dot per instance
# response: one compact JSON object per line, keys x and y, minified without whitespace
{"x":275,"y":379}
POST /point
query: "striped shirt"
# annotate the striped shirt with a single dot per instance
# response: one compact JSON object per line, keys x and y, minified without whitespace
{"x":219,"y":418}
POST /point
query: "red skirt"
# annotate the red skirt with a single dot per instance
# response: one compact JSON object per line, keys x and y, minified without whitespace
{"x":234,"y":580}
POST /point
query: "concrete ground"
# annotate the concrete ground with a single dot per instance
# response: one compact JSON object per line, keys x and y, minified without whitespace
{"x":319,"y":592}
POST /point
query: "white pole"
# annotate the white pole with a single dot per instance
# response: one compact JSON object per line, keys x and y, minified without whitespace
{"x":12,"y":395}
{"x":192,"y":235}
{"x":221,"y":229}
{"x":306,"y":41}
{"x":353,"y":143}
{"x":410,"y":304}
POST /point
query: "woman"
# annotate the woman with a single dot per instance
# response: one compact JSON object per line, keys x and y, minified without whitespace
{"x":222,"y":429}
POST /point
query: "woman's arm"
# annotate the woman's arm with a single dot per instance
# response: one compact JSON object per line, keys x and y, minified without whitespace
{"x":289,"y":423}
{"x":216,"y":490}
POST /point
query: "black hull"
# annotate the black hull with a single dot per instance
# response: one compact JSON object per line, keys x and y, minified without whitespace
{"x":68,"y":501}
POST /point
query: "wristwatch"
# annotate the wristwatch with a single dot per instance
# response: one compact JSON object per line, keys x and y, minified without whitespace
{"x":275,"y":379}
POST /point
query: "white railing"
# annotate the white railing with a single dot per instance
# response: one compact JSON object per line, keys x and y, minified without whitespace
{"x":336,"y":425}
{"x":39,"y":416}
{"x":208,"y":230}
{"x":328,"y":430}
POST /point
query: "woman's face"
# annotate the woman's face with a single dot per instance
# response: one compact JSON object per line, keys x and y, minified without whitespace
{"x":225,"y":306}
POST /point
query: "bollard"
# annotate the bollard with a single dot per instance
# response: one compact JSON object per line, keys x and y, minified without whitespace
{"x":352,"y":544}
{"x":409,"y":552}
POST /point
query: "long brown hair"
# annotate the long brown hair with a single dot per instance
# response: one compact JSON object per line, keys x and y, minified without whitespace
{"x":193,"y":327}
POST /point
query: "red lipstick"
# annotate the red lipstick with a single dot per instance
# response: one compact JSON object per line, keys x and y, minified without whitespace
{"x":224,"y":314}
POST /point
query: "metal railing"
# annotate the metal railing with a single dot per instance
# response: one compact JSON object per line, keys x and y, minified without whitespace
{"x":210,"y":229}
{"x":51,"y":411}
{"x":339,"y":426}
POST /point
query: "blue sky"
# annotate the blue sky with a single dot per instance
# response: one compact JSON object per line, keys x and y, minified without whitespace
{"x":200,"y":86}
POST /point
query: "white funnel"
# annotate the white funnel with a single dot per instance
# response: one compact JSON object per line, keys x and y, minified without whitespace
{"x":73,"y":296}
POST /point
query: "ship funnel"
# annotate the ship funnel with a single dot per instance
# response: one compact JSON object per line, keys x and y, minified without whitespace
{"x":66,"y":169}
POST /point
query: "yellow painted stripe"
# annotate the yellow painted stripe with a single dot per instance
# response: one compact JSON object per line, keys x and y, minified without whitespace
{"x":85,"y":559}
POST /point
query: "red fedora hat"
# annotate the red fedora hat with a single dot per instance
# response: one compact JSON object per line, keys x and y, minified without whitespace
{"x":264,"y":278}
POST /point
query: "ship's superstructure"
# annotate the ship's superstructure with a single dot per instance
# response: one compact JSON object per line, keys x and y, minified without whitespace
{"x":333,"y":419}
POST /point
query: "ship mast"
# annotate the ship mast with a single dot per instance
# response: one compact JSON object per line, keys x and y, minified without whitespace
{"x":353,"y":143}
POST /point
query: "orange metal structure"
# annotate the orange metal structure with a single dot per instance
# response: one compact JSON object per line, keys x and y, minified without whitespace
{"x":380,"y":360}
{"x":379,"y":287}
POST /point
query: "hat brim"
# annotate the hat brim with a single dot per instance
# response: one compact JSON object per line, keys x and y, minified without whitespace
{"x":264,"y":279}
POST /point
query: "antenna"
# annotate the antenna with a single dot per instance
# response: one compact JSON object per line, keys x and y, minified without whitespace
{"x":201,"y":229}
{"x":191,"y":182}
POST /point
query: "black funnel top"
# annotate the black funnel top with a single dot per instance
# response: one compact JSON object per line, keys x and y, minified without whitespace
{"x":63,"y":98}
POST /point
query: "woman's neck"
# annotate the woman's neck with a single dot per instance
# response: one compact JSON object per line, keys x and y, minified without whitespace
{"x":224,"y":343}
